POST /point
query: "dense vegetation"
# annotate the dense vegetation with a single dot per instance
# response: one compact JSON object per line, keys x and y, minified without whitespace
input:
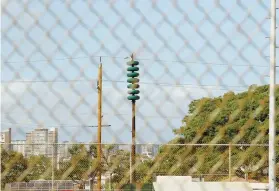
{"x":230,"y":119}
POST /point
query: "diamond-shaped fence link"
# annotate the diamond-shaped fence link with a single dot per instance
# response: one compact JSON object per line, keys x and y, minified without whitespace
{"x":74,"y":166}
{"x":203,"y":108}
{"x":250,"y":162}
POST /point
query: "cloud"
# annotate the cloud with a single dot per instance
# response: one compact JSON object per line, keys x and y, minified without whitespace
{"x":57,"y":104}
{"x":10,"y":92}
{"x":15,"y":88}
{"x":76,"y":104}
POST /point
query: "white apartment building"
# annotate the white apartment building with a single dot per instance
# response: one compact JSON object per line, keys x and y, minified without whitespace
{"x":6,"y":137}
{"x":19,"y":146}
{"x":42,"y":141}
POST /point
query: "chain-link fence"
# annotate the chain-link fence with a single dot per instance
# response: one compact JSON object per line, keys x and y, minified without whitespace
{"x":74,"y":166}
{"x":203,"y":76}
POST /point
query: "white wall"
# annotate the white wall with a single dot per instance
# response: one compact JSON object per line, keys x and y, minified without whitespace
{"x":184,"y":183}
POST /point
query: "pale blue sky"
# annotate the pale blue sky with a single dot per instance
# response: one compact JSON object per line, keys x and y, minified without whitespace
{"x":195,"y":33}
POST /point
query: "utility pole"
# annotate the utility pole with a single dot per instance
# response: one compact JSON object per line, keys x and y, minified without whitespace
{"x":272,"y":127}
{"x":99,"y":139}
{"x":133,"y":149}
{"x":91,"y":181}
{"x":52,"y":173}
{"x":133,"y":80}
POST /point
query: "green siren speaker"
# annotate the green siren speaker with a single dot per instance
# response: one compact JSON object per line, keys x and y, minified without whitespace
{"x":133,"y":80}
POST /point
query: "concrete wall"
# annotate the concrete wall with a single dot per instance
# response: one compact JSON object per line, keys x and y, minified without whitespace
{"x":184,"y":183}
{"x":203,"y":186}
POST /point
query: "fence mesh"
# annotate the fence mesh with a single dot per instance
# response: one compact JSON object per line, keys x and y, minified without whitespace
{"x":75,"y":165}
{"x":203,"y":70}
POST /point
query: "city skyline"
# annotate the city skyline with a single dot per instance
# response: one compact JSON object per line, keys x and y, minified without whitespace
{"x":42,"y":141}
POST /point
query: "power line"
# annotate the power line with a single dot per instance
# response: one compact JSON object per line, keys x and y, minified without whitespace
{"x":47,"y":81}
{"x":42,"y":125}
{"x":110,"y":114}
{"x":140,"y":59}
{"x":66,"y":58}
{"x":168,"y":117}
{"x":204,"y":63}
{"x":169,"y":84}
{"x":77,"y":125}
{"x":122,"y":81}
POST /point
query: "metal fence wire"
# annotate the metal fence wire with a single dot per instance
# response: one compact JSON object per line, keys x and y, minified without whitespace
{"x":70,"y":166}
{"x":204,"y":94}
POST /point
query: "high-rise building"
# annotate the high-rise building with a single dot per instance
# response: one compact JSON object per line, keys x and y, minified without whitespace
{"x":42,"y":141}
{"x":37,"y":141}
{"x":52,"y":138}
{"x":19,"y":146}
{"x":6,"y":137}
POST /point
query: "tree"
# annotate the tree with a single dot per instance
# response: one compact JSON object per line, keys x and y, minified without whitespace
{"x":13,"y":166}
{"x":120,"y":167}
{"x":82,"y":165}
{"x":39,"y":167}
{"x":141,"y":171}
{"x":232,"y":118}
{"x":78,"y":167}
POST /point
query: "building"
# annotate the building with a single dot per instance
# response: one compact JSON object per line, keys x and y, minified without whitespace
{"x":53,"y":138}
{"x":42,"y":141}
{"x":19,"y":146}
{"x":6,"y":137}
{"x":63,"y":153}
{"x":124,"y":147}
{"x":37,"y":141}
{"x":148,"y":150}
{"x":63,"y":149}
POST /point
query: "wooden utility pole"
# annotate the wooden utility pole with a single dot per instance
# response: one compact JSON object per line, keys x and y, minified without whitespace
{"x":99,"y":139}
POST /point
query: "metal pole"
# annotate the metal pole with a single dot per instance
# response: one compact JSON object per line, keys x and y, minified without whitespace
{"x":110,"y":181}
{"x":99,"y":186}
{"x":272,"y":162}
{"x":133,"y":149}
{"x":230,"y":162}
{"x":52,"y":175}
{"x":131,"y":172}
{"x":109,"y":172}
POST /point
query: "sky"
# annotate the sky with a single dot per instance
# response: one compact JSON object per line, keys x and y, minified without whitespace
{"x":210,"y":47}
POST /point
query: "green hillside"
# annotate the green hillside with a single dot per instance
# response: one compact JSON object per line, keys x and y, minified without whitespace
{"x":230,"y":119}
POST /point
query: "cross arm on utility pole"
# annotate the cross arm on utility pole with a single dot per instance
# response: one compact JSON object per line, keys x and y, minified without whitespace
{"x":97,"y":126}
